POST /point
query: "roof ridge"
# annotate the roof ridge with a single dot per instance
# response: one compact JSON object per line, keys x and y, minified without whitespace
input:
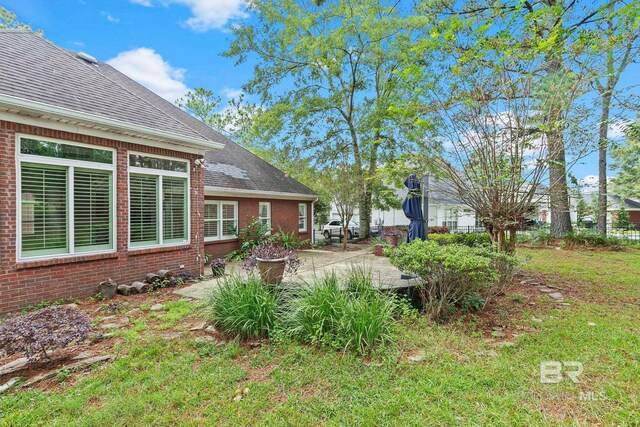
{"x":74,"y":57}
{"x":149,"y":103}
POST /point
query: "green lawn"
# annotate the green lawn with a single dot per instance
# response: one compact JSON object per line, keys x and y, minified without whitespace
{"x":464,"y":378}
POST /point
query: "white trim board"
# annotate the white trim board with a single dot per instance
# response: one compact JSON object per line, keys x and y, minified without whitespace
{"x":58,"y":118}
{"x":276,"y":195}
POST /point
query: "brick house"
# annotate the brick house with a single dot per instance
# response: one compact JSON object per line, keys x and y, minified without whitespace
{"x":100,"y":177}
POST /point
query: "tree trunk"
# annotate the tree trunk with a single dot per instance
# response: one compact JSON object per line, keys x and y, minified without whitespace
{"x":365,"y":213}
{"x":602,"y":161}
{"x":558,"y":189}
{"x":345,"y":235}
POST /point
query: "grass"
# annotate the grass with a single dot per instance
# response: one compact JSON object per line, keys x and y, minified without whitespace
{"x":462,"y":380}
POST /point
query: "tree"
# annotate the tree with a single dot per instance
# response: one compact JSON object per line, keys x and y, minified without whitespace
{"x":627,"y":162}
{"x":234,"y":121}
{"x":342,"y":182}
{"x":326,"y":74}
{"x":547,"y":33}
{"x":618,"y":37}
{"x":623,"y":220}
{"x":9,"y":20}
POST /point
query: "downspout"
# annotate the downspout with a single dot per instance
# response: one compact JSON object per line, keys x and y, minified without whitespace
{"x":313,"y":223}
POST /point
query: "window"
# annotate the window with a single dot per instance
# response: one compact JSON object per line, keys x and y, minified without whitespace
{"x":451,"y":225}
{"x":302,"y":217}
{"x":264,"y":213}
{"x":158,"y":201}
{"x":66,"y":200}
{"x":220,"y":220}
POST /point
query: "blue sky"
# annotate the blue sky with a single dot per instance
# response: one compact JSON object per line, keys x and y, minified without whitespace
{"x":169,"y":46}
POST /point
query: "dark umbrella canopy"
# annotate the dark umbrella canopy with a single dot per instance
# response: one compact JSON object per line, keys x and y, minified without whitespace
{"x":412,"y":207}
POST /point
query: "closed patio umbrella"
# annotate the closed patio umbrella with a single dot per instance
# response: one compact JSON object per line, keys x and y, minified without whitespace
{"x":412,"y":208}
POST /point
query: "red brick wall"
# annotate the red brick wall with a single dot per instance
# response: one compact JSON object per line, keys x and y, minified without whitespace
{"x":284,"y":214}
{"x":27,"y":283}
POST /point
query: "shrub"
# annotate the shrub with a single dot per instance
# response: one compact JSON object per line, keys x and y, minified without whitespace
{"x":358,"y":319}
{"x":245,"y":307}
{"x":449,"y":273}
{"x":467,"y":239}
{"x":44,"y":330}
{"x":438,"y":230}
{"x":288,"y":240}
{"x":590,"y":238}
{"x":541,"y":236}
{"x":253,"y":235}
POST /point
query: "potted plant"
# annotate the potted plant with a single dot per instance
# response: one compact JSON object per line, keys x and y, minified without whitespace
{"x":272,"y":261}
{"x":217,"y":267}
{"x":391,"y":235}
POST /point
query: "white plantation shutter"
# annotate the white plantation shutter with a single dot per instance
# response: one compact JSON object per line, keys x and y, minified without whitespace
{"x":174,"y":209}
{"x":143,"y":209}
{"x":92,"y":210}
{"x":229,"y":220}
{"x":44,"y":210}
{"x":211,"y":220}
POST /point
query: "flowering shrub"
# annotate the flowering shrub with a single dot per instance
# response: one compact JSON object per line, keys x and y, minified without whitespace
{"x":271,"y":251}
{"x":391,"y":232}
{"x":47,"y":329}
{"x":438,"y":230}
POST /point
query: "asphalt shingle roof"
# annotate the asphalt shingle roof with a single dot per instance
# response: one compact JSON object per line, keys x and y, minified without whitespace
{"x":35,"y":69}
{"x":235,"y":167}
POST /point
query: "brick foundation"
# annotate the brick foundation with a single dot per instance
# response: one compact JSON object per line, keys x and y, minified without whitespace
{"x":30,"y":282}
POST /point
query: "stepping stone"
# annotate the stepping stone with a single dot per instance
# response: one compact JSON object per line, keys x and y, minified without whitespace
{"x":498,"y":334}
{"x":198,"y":326}
{"x":591,"y":324}
{"x":545,"y":290}
{"x":416,"y":358}
{"x":556,"y":295}
{"x":157,"y":307}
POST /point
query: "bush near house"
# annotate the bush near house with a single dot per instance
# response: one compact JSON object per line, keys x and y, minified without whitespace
{"x":467,"y":239}
{"x":453,"y":274}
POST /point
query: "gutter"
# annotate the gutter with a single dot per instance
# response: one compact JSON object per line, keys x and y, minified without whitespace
{"x":279,"y":195}
{"x":12,"y":103}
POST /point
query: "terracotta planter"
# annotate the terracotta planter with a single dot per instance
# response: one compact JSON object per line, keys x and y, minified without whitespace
{"x":378,"y":250}
{"x":392,"y":240}
{"x":272,"y":270}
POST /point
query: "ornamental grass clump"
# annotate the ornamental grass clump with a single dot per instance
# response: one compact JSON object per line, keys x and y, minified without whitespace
{"x":43,"y":331}
{"x":353,"y":317}
{"x":244,"y":307}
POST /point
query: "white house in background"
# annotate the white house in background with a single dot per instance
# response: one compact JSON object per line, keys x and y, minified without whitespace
{"x":445,"y":209}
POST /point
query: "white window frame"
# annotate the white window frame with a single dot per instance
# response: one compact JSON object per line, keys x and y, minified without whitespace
{"x":268,"y":217}
{"x":161,"y":173}
{"x":70,"y":164}
{"x":219,"y":204}
{"x":306,"y":217}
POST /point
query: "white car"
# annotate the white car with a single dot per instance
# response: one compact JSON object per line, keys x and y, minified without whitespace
{"x":334,"y":229}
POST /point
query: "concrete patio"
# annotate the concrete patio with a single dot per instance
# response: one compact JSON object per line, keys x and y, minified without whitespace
{"x":316,"y":263}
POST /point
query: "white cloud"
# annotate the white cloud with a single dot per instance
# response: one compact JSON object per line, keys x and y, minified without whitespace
{"x":231,"y":93}
{"x":148,"y":68}
{"x":206,"y":14}
{"x":616,"y":129}
{"x":145,"y":3}
{"x":109,"y":17}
